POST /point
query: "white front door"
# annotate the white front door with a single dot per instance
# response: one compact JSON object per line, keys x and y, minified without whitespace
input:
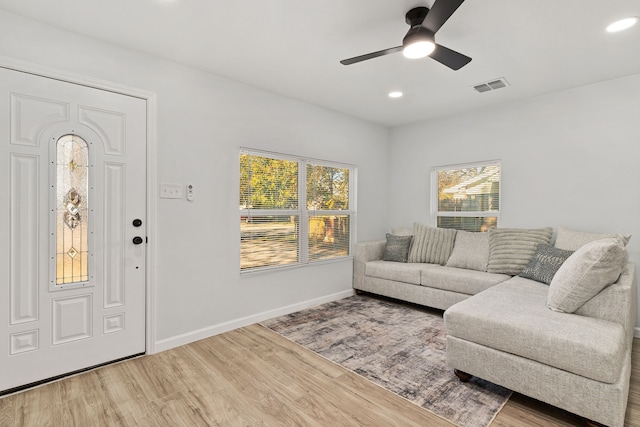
{"x":72,"y":227}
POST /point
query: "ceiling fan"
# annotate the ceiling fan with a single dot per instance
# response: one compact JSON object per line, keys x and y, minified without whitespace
{"x":420,"y":39}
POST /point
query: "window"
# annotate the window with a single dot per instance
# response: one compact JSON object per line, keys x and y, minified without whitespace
{"x":466,"y":196}
{"x":293,"y":211}
{"x":72,"y":188}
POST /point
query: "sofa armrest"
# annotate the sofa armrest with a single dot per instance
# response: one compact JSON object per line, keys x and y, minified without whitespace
{"x":364,"y":252}
{"x":617,"y":302}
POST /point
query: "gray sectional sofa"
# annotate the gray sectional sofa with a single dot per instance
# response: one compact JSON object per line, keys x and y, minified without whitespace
{"x":554,"y":322}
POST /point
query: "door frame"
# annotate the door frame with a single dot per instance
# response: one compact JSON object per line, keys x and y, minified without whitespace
{"x":151,"y":101}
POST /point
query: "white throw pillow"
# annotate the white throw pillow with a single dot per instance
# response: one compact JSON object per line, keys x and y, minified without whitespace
{"x":470,"y":251}
{"x":584,"y":274}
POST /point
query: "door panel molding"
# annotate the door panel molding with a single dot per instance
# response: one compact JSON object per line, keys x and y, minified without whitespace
{"x":114,"y":234}
{"x":31,"y":115}
{"x":24,"y":252}
{"x":105,"y":123}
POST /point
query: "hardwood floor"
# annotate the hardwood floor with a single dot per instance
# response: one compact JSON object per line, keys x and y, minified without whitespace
{"x":247,"y":377}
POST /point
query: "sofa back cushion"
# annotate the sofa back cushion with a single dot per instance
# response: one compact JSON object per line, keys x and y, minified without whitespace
{"x":470,"y":251}
{"x":511,"y":249}
{"x":431,"y":245}
{"x":572,"y":240}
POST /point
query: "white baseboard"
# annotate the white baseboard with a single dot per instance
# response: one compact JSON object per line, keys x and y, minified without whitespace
{"x":637,"y":332}
{"x":189,"y":337}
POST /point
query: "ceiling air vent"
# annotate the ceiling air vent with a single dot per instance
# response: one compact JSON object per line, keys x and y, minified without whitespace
{"x":491,"y":85}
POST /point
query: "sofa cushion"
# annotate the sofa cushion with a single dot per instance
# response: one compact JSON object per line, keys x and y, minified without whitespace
{"x":402,"y":231}
{"x":513,"y":317}
{"x":572,"y":240}
{"x":585,"y":273}
{"x":431,"y":245}
{"x":510,"y":249}
{"x":397,"y":271}
{"x":471,"y":251}
{"x":545,"y":263}
{"x":397,"y":248}
{"x":460,"y":280}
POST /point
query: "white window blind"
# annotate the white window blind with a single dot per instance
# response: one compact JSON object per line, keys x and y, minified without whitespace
{"x":466,"y":196}
{"x":293,"y":211}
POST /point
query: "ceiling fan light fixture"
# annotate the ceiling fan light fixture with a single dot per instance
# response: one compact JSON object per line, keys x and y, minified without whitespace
{"x":419,"y":49}
{"x":418,"y":43}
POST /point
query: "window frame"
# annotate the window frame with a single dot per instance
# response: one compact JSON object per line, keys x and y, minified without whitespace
{"x":302,"y":212}
{"x":436,"y":213}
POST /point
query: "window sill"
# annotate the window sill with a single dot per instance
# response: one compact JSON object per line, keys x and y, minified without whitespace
{"x":280,"y":268}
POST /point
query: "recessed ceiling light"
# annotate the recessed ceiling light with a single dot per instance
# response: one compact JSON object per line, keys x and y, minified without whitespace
{"x":622,"y":24}
{"x":395,"y":94}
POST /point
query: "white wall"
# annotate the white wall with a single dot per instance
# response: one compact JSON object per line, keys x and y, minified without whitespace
{"x":202,"y":122}
{"x":569,"y":159}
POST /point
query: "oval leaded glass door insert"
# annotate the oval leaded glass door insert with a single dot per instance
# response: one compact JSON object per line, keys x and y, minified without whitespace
{"x":72,"y":190}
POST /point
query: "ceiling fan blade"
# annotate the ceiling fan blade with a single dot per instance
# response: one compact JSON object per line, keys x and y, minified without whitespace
{"x":450,"y":58}
{"x":439,"y":13}
{"x":371,"y":55}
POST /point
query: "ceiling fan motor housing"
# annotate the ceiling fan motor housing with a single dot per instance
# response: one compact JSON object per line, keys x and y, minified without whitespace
{"x":416,"y":16}
{"x":417,"y":35}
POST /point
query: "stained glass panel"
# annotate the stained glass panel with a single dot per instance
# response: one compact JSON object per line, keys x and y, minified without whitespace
{"x":72,"y":188}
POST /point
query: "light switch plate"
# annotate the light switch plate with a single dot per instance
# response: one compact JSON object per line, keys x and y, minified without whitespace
{"x":170,"y":191}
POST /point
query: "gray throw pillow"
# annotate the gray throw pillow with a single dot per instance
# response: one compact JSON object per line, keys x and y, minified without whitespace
{"x":545,"y":263}
{"x":432,"y":245}
{"x":572,"y":240}
{"x":511,"y":249}
{"x":470,"y":251}
{"x":584,"y":274}
{"x":397,"y":248}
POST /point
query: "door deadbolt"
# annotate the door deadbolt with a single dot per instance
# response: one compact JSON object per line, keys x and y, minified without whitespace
{"x":137,"y":240}
{"x":137,"y":222}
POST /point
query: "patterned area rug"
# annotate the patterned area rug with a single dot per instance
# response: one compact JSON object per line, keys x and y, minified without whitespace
{"x":400,"y":347}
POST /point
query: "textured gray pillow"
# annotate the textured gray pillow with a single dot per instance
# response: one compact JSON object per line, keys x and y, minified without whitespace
{"x":572,"y":240}
{"x":470,"y":251}
{"x":585,"y":273}
{"x":432,"y":245}
{"x":511,"y":249}
{"x":545,"y":263}
{"x":397,"y":248}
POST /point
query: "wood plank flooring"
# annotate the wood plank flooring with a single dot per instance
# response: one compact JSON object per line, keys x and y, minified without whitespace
{"x":247,"y":377}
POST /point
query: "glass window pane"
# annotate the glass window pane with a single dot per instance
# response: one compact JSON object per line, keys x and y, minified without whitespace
{"x":473,"y":189}
{"x":72,"y":190}
{"x":267,"y":183}
{"x":327,"y":188}
{"x":478,"y":223}
{"x":268,"y":241}
{"x":328,"y":237}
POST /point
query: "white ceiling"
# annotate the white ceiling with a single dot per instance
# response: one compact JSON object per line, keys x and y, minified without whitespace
{"x":292,"y":47}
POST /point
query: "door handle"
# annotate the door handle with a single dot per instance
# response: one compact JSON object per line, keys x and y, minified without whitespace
{"x":137,"y":240}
